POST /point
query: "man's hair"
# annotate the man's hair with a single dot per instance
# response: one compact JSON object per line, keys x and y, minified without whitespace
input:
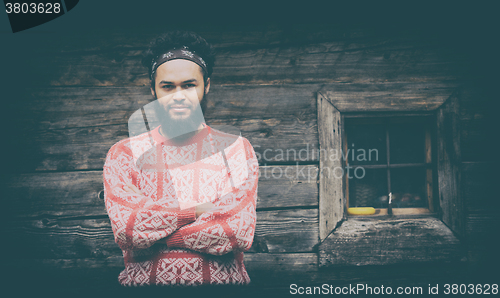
{"x":177,"y":39}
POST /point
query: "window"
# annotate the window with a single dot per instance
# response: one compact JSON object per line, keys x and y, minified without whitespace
{"x":389,"y":157}
{"x":418,"y":155}
{"x":440,"y":117}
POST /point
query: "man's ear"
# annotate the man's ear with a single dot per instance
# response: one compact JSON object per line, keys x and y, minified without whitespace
{"x":153,"y":92}
{"x":207,"y":86}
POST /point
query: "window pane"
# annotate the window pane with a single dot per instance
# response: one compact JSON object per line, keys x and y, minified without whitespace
{"x":407,"y":143}
{"x":408,"y":187}
{"x":369,"y":190}
{"x":366,"y":144}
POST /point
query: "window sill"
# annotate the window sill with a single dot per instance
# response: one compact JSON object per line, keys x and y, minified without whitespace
{"x":382,"y":240}
{"x":396,"y":212}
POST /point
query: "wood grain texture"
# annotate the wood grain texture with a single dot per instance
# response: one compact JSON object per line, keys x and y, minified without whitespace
{"x":60,"y":108}
{"x":86,"y":148}
{"x":271,"y":275}
{"x":75,"y":194}
{"x":480,"y":196}
{"x":385,"y":97}
{"x":449,"y":164}
{"x":478,"y":120}
{"x":358,"y":60}
{"x":331,"y":187}
{"x":359,"y":242}
{"x":92,"y":237}
{"x":81,"y":277}
{"x":65,"y":129}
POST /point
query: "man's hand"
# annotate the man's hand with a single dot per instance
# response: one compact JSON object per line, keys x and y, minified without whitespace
{"x":133,"y":188}
{"x":202,"y":208}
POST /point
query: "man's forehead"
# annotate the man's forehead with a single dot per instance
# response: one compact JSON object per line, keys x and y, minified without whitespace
{"x":179,"y":70}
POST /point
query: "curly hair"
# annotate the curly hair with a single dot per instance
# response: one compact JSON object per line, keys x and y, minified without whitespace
{"x":177,"y":39}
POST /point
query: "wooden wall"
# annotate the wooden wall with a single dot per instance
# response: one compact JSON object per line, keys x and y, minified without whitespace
{"x":265,"y":83}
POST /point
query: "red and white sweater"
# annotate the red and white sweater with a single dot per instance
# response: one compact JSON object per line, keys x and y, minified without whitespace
{"x":162,"y":242}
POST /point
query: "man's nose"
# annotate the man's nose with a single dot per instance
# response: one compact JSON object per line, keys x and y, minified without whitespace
{"x":179,"y":95}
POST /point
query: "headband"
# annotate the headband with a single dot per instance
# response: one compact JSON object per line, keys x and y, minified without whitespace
{"x":182,"y":53}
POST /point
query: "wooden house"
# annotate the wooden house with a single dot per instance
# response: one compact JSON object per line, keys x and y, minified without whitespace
{"x":296,"y":92}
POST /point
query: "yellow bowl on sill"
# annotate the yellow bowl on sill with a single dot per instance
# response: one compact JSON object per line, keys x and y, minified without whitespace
{"x":361,"y":211}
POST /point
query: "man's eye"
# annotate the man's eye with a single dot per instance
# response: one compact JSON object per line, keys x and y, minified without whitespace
{"x":167,"y":87}
{"x":189,"y":85}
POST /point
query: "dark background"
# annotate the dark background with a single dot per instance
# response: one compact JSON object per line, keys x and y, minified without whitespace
{"x":468,"y":31}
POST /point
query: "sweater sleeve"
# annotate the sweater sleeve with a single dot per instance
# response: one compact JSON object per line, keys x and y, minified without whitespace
{"x":137,"y":220}
{"x":231,"y":225}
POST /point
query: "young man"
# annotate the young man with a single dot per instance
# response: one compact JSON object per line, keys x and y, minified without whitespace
{"x":181,"y":198}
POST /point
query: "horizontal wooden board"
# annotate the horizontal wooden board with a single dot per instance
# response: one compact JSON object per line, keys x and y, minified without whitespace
{"x":85,"y":148}
{"x":393,"y":97}
{"x":272,"y":275}
{"x":254,"y":262}
{"x":100,"y":276}
{"x":60,"y":238}
{"x":220,"y":36}
{"x":360,"y":242}
{"x":58,"y":108}
{"x":67,"y":195}
{"x":293,"y":230}
{"x":64,"y":129}
{"x":341,"y":61}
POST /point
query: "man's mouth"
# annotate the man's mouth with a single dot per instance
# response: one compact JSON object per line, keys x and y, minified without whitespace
{"x":179,"y":108}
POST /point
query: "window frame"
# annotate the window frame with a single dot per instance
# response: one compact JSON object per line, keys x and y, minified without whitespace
{"x":448,"y":202}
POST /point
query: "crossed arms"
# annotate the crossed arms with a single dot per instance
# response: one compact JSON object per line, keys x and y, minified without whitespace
{"x":219,"y":227}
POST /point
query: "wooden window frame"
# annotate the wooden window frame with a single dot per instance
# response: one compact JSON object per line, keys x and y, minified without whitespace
{"x":448,"y":202}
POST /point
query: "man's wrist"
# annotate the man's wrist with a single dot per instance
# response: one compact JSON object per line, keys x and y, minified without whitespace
{"x":186,"y":216}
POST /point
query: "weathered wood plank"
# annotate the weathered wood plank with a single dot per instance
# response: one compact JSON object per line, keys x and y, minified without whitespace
{"x":383,"y":97}
{"x":360,"y":242}
{"x":341,"y":61}
{"x":286,"y":231}
{"x":68,"y":238}
{"x":71,"y":194}
{"x":478,"y":120}
{"x":478,"y":187}
{"x":73,"y":128}
{"x":86,"y":148}
{"x":271,"y":275}
{"x":448,"y":165}
{"x":99,"y":276}
{"x":331,"y":186}
{"x":283,"y":262}
{"x":220,"y":36}
{"x":479,"y":180}
{"x":59,"y":108}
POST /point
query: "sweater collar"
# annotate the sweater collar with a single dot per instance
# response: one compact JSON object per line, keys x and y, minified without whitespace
{"x":160,"y":139}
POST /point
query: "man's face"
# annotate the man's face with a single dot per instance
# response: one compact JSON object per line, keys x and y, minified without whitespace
{"x":179,"y":88}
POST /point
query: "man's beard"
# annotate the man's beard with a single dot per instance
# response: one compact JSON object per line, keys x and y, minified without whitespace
{"x":180,"y":128}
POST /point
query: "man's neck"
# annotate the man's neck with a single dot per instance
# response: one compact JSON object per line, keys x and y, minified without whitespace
{"x":182,"y":137}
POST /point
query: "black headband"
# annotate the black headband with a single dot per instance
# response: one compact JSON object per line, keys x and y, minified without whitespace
{"x":182,"y":53}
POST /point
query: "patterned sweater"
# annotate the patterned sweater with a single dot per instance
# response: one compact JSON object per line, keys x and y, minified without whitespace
{"x":162,"y":241}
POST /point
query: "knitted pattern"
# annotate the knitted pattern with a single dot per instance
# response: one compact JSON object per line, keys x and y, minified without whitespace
{"x":162,"y":242}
